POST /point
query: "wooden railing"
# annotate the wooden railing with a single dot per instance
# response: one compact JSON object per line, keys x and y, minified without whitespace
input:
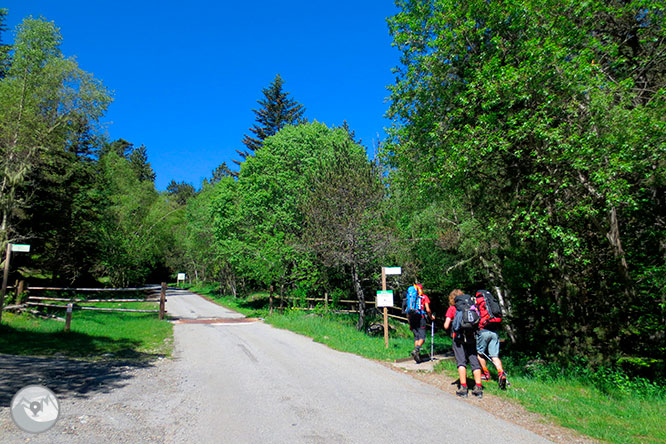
{"x":329,"y":305}
{"x":77,"y":303}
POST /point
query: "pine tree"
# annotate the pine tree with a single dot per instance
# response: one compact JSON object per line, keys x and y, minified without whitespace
{"x":139,"y":162}
{"x":121,"y":147}
{"x":180,"y":192}
{"x":277,"y":110}
{"x":4,"y":48}
{"x":220,"y":172}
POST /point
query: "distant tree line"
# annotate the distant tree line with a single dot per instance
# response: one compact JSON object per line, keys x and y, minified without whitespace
{"x":526,"y":157}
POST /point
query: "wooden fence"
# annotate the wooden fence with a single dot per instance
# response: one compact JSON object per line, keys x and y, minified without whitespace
{"x":328,"y":303}
{"x":76,"y":303}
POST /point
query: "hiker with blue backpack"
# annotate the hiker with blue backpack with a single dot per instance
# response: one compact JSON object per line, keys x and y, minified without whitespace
{"x":487,"y":338}
{"x":463,"y":318}
{"x":416,"y":305}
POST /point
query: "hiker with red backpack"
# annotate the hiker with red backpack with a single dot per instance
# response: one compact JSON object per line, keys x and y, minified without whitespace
{"x":463,"y":318}
{"x":416,"y":305}
{"x":487,"y":338}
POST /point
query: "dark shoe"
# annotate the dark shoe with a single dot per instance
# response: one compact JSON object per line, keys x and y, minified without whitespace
{"x":462,"y":392}
{"x":478,"y":391}
{"x":502,"y":382}
{"x":416,"y":354}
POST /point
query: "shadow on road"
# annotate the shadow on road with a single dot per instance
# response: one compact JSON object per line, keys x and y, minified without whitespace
{"x":66,"y":377}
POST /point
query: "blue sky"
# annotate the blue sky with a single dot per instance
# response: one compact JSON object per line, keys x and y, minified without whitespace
{"x":186,"y":75}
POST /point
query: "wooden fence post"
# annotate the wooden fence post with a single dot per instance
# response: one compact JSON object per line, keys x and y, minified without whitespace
{"x":162,"y":300}
{"x":4,"y":278}
{"x":68,"y":318}
{"x":326,"y":301}
{"x":19,"y":292}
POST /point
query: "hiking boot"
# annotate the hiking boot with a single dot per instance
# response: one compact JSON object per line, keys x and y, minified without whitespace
{"x":478,"y":391}
{"x":485,"y":376}
{"x":462,"y":392}
{"x":416,"y":354}
{"x":502,"y":381}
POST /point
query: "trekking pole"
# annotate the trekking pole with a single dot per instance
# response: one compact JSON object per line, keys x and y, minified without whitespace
{"x":432,"y":338}
{"x":488,"y":358}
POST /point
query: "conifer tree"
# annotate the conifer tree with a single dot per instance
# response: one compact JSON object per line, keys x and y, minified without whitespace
{"x":4,"y":48}
{"x":220,"y":172}
{"x":139,"y":162}
{"x":277,"y":110}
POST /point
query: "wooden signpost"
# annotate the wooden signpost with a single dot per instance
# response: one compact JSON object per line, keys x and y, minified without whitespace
{"x":385,"y":298}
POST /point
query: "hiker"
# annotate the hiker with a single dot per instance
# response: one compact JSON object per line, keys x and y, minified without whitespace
{"x":487,"y":338}
{"x":417,"y":307}
{"x":464,"y":342}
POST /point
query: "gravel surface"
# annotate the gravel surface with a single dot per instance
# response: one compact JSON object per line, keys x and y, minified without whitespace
{"x":247,"y":382}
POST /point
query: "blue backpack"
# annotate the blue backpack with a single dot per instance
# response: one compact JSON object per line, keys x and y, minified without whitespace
{"x":412,"y":302}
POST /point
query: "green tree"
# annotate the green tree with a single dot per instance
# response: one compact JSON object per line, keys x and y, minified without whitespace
{"x":4,"y":48}
{"x":258,"y":218}
{"x":220,"y":172}
{"x":45,"y":101}
{"x":139,"y":160}
{"x":539,"y":126}
{"x":135,"y":227}
{"x":65,"y":212}
{"x":121,"y":147}
{"x":180,"y":192}
{"x":342,"y":218}
{"x":277,"y":110}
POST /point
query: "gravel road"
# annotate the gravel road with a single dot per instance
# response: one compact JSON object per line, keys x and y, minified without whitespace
{"x":244,"y":382}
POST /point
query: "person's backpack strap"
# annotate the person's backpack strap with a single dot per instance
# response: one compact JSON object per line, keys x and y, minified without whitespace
{"x":419,"y":300}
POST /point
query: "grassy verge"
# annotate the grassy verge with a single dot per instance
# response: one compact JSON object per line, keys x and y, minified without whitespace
{"x":573,"y":402}
{"x":634,"y":416}
{"x":93,"y":335}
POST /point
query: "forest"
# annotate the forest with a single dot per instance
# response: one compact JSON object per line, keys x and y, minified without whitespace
{"x":526,"y":156}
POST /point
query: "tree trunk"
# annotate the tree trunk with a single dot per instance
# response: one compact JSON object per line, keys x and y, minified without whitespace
{"x":613,"y":237}
{"x":495,"y":275}
{"x":361,"y":298}
{"x":507,"y":310}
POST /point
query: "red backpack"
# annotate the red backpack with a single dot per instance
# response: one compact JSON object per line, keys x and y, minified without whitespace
{"x":490,"y":310}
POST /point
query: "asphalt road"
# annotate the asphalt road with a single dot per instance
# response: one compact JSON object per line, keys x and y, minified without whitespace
{"x":247,"y":382}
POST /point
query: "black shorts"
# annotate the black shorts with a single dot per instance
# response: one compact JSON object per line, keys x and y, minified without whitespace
{"x":465,"y":351}
{"x":417,"y":323}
